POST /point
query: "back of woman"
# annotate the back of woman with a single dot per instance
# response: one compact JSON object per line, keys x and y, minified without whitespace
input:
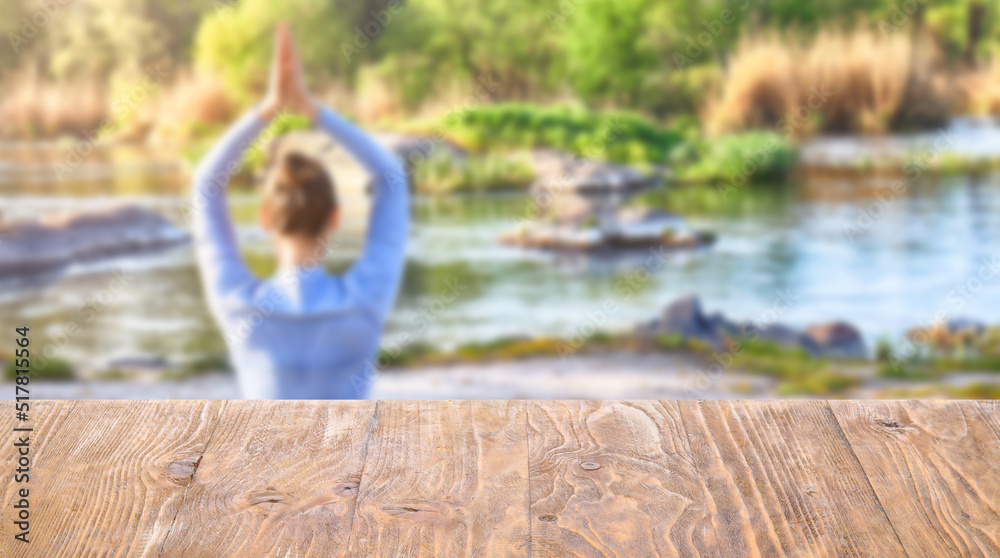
{"x":303,"y":333}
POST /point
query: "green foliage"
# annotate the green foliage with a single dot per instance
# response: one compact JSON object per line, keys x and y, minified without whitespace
{"x":236,"y":40}
{"x":949,"y":21}
{"x":641,"y":53}
{"x":54,"y":369}
{"x":442,"y":174}
{"x":976,"y":391}
{"x":255,"y":158}
{"x":405,"y":356}
{"x":619,"y":136}
{"x":799,"y":372}
{"x":100,"y":37}
{"x":735,"y":160}
{"x":811,"y":14}
{"x":883,"y":351}
{"x":509,"y":45}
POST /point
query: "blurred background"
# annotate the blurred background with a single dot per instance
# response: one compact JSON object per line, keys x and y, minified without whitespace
{"x":613,"y":198}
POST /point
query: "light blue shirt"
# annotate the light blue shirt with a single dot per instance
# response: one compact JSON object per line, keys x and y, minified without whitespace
{"x":303,"y":334}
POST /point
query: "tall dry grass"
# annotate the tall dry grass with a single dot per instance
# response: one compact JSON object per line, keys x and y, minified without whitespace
{"x":33,"y":108}
{"x":858,"y":81}
{"x":193,"y":102}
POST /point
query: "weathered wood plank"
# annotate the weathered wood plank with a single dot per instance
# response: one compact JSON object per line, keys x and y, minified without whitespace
{"x":278,"y":478}
{"x":935,"y":466}
{"x":615,"y":479}
{"x":782,"y":481}
{"x":444,"y":479}
{"x":108,"y":477}
{"x":579,"y":478}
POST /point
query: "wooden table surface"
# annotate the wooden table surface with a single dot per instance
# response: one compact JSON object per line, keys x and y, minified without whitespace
{"x":508,"y":478}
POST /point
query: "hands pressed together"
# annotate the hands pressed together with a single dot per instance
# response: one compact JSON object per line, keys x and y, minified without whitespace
{"x":286,"y":90}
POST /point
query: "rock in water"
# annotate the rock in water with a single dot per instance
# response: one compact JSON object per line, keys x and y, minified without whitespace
{"x":838,"y":339}
{"x":686,"y":318}
{"x":558,"y":173}
{"x":35,"y":246}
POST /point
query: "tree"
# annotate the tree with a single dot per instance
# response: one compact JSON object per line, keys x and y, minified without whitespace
{"x":235,"y":40}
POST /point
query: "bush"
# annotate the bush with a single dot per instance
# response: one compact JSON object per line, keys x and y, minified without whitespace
{"x":54,"y":369}
{"x":619,"y":136}
{"x":735,"y":159}
{"x":443,"y":174}
{"x":236,"y":41}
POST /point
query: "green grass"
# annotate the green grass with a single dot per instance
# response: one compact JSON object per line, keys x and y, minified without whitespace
{"x":619,"y":136}
{"x":54,"y":369}
{"x":979,"y":353}
{"x":735,"y":160}
{"x":202,"y":365}
{"x":442,"y":174}
{"x":204,"y":137}
{"x":798,"y":372}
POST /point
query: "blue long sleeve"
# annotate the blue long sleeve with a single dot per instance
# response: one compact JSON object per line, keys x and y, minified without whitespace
{"x":375,"y":277}
{"x":216,"y":250}
{"x":304,"y":333}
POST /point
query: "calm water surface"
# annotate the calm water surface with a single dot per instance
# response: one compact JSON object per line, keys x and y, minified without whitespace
{"x":920,"y":254}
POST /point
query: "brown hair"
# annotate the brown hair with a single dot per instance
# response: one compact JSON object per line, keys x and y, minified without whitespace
{"x":299,"y":196}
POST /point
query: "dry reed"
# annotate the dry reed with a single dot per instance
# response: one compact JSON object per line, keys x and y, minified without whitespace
{"x":843,"y":82}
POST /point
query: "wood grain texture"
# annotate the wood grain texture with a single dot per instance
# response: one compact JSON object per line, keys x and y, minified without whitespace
{"x":278,"y":478}
{"x":495,"y":478}
{"x":108,"y":477}
{"x":782,"y":481}
{"x":444,"y":479}
{"x":615,"y":479}
{"x":935,"y":466}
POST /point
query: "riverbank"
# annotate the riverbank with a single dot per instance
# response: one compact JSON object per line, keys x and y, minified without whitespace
{"x":614,"y":375}
{"x":683,"y":353}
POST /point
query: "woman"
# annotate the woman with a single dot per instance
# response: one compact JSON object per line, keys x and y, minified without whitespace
{"x":302,"y":334}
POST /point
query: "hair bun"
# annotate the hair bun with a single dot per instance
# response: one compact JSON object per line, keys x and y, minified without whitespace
{"x":300,"y":168}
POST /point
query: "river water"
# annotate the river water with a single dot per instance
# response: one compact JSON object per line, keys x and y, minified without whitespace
{"x":798,"y":253}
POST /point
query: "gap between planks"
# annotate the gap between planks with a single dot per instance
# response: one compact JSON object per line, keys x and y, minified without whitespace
{"x":868,"y":481}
